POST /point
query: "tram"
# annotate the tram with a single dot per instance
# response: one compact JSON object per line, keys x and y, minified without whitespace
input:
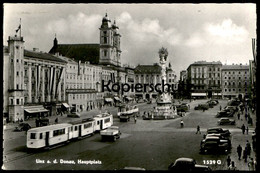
{"x":47,"y":136}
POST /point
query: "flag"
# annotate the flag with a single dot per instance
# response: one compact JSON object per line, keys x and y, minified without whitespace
{"x":19,"y":27}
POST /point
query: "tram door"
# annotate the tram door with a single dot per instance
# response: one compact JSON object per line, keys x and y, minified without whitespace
{"x":79,"y":130}
{"x":47,"y":139}
{"x":101,"y":124}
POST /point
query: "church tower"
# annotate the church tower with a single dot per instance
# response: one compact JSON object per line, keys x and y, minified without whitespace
{"x":16,"y":78}
{"x":110,"y":52}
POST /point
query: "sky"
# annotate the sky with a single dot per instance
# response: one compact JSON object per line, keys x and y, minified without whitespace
{"x":190,"y":32}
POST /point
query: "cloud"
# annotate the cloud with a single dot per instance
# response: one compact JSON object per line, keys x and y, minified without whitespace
{"x":226,"y":32}
{"x":79,"y":28}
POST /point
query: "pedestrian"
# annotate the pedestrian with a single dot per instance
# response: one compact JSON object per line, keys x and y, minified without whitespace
{"x":232,"y":167}
{"x":204,"y":136}
{"x":238,"y":116}
{"x":251,"y":164}
{"x":228,"y":161}
{"x":135,"y":119}
{"x":198,"y":129}
{"x":245,"y":154}
{"x":246,"y":116}
{"x":248,"y":148}
{"x":56,"y":120}
{"x":239,"y":151}
{"x":243,"y":129}
{"x":220,"y":107}
{"x":247,"y":130}
{"x":182,"y":123}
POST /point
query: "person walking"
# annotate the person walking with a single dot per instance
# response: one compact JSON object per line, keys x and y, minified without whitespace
{"x":135,"y":119}
{"x":182,"y":123}
{"x":228,"y":161}
{"x":243,"y":129}
{"x":248,"y":147}
{"x":251,"y":164}
{"x":220,"y":107}
{"x":232,"y":167}
{"x":247,"y":130}
{"x":56,"y":120}
{"x":238,"y":116}
{"x":239,"y":151}
{"x":198,"y":130}
{"x":245,"y":154}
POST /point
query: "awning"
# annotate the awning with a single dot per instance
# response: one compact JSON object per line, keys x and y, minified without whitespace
{"x":35,"y":110}
{"x":198,"y":94}
{"x":108,"y":100}
{"x":66,"y":105}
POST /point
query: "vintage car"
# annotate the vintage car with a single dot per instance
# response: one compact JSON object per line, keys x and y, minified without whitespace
{"x":187,"y":164}
{"x":218,"y":130}
{"x":214,"y":144}
{"x":22,"y":127}
{"x":223,"y":121}
{"x":202,"y":107}
{"x":224,"y":113}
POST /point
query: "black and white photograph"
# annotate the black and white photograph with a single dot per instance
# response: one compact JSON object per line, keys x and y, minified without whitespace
{"x":127,"y":86}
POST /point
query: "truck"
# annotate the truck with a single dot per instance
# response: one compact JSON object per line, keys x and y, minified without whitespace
{"x":111,"y":133}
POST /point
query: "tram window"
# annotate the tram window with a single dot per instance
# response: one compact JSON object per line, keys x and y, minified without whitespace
{"x":40,"y":135}
{"x":87,"y":125}
{"x":107,"y":120}
{"x":76,"y":128}
{"x":33,"y":135}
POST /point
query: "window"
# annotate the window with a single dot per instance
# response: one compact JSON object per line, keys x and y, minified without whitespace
{"x":88,"y":125}
{"x":12,"y":60}
{"x":105,"y":52}
{"x":17,"y":86}
{"x":107,"y":120}
{"x":17,"y":73}
{"x":76,"y":128}
{"x":58,"y":132}
{"x":105,"y":40}
{"x":11,"y":102}
{"x":33,"y":136}
{"x":40,"y":135}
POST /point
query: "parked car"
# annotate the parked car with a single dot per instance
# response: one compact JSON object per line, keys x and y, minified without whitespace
{"x":214,"y":144}
{"x":223,"y":121}
{"x":233,"y":103}
{"x":73,"y":115}
{"x":202,"y":107}
{"x":182,"y":107}
{"x":187,"y":164}
{"x":218,"y":130}
{"x":218,"y":135}
{"x":22,"y":127}
{"x":221,"y":138}
{"x":232,"y":109}
{"x":224,"y":113}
